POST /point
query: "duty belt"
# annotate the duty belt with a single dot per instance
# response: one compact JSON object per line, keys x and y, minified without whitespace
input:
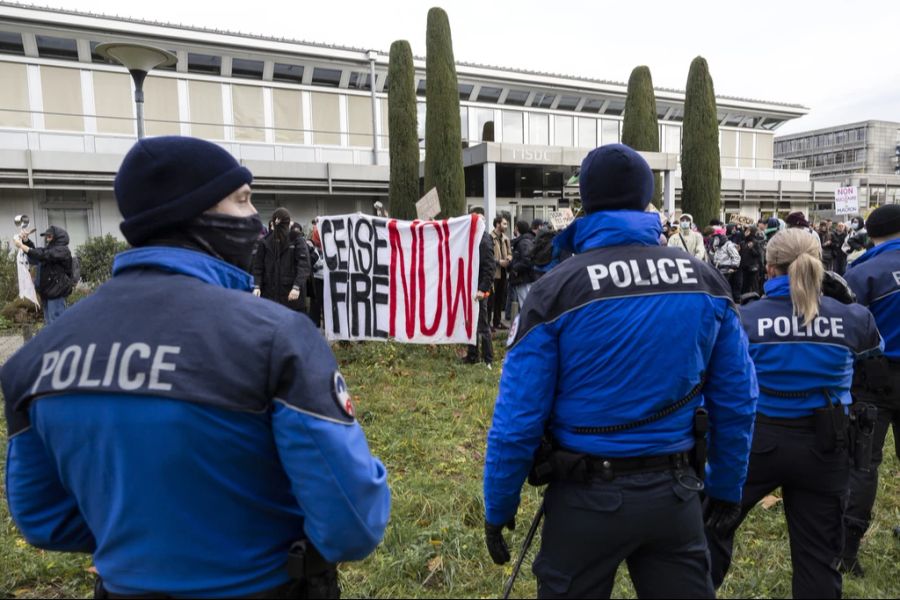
{"x":796,"y":423}
{"x":585,"y":467}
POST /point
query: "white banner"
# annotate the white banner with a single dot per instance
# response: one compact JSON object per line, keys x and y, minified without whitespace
{"x":846,"y":201}
{"x":26,"y":283}
{"x":409,"y":281}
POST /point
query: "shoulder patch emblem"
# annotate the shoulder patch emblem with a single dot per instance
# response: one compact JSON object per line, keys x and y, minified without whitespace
{"x":511,"y":334}
{"x":341,"y":395}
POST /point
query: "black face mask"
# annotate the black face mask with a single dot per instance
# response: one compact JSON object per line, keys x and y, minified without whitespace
{"x":230,"y":238}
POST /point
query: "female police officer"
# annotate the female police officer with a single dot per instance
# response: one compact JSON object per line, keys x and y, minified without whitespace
{"x":804,"y":346}
{"x":577,"y":367}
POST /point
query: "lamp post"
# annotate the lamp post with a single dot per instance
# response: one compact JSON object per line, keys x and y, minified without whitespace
{"x":139,"y":59}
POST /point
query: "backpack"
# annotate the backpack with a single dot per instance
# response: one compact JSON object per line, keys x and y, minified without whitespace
{"x":542,"y":250}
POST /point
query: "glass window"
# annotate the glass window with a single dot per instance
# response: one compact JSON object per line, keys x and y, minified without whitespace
{"x":248,"y":69}
{"x":113,"y":104}
{"x":673,"y":139}
{"x":11,"y":43}
{"x":359,"y":81}
{"x":517,"y":97}
{"x":14,"y":96}
{"x":420,"y":122}
{"x":464,"y":122}
{"x":359,"y":120}
{"x":512,"y":127}
{"x":326,"y":121}
{"x":592,"y":105}
{"x":728,"y":151}
{"x":74,"y":221}
{"x":538,"y":129}
{"x":563,"y":130}
{"x":288,"y":116}
{"x":615,"y":107}
{"x":543,"y":100}
{"x":206,"y":110}
{"x":420,"y":89}
{"x":61,"y":90}
{"x":327,"y":77}
{"x":482,"y":116}
{"x":249,"y":119}
{"x":489,"y":94}
{"x":609,"y":132}
{"x":287,"y":73}
{"x":161,"y":115}
{"x":568,"y":102}
{"x":55,"y":47}
{"x":587,"y":133}
{"x":204,"y":63}
{"x":465,"y":90}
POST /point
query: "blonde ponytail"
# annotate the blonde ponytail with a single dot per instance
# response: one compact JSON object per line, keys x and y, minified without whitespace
{"x":799,"y":253}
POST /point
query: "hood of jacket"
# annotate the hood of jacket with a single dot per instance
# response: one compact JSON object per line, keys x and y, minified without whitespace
{"x":60,"y":236}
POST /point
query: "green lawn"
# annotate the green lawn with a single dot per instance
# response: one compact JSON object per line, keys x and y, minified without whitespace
{"x":426,"y":416}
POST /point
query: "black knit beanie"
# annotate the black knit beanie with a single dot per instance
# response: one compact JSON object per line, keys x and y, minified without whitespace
{"x":615,"y":177}
{"x":884,"y":221}
{"x":167,"y":181}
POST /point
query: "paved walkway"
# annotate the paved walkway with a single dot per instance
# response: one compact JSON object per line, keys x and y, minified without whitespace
{"x":8,"y":346}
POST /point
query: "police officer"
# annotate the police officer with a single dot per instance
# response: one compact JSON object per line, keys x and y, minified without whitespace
{"x":875,"y":278}
{"x":197,"y":441}
{"x":581,"y":351}
{"x":803,"y":346}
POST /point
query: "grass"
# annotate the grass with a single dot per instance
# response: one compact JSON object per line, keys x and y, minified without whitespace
{"x":426,"y":416}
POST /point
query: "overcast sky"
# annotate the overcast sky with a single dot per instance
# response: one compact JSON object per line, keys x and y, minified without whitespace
{"x":839,"y":58}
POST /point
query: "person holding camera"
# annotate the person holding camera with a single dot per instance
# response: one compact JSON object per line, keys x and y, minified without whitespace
{"x":55,"y":278}
{"x":804,"y":345}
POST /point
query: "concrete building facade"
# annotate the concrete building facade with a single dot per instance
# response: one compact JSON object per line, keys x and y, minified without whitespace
{"x":310,"y":121}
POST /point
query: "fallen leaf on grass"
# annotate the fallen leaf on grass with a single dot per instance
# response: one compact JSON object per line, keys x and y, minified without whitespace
{"x":769,"y":501}
{"x":435,"y":565}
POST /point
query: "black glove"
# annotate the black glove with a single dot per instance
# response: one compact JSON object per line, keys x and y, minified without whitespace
{"x":496,"y":545}
{"x":720,"y":516}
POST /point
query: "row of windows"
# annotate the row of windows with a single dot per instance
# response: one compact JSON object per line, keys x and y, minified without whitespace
{"x":845,"y":157}
{"x":293,"y":116}
{"x":822,"y":140}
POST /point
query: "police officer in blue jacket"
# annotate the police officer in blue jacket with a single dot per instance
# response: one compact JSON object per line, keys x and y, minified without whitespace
{"x":197,"y":441}
{"x":875,"y":278}
{"x":804,"y":346}
{"x":589,"y":365}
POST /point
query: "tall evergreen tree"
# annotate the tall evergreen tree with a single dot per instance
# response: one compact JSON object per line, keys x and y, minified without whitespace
{"x":701,"y":172}
{"x":443,"y":135}
{"x":404,"y":140}
{"x":640,"y":129}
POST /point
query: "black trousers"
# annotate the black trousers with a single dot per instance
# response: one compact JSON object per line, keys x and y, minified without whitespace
{"x":317,"y":301}
{"x":483,"y":336}
{"x":650,"y":521}
{"x":864,"y":484}
{"x":497,"y":300}
{"x":814,"y":487}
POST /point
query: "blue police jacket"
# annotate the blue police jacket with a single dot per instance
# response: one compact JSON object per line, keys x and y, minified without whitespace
{"x":875,"y":279}
{"x":796,"y":359}
{"x":186,"y":433}
{"x":612,"y":335}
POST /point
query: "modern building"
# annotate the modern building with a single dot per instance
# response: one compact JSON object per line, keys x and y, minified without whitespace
{"x":310,"y":121}
{"x":864,"y":155}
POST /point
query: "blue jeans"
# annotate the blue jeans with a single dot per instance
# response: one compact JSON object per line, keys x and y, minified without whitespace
{"x":53,"y":309}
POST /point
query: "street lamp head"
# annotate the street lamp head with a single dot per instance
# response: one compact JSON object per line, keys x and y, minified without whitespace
{"x":136,"y":57}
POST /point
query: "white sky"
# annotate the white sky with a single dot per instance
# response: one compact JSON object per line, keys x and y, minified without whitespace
{"x":840,"y":58}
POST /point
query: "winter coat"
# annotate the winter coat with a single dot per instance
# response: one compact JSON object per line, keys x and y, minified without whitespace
{"x":521,"y":269}
{"x":279,"y":268}
{"x":486,"y":264}
{"x":751,"y":255}
{"x":727,"y":256}
{"x":54,"y":262}
{"x":502,"y":251}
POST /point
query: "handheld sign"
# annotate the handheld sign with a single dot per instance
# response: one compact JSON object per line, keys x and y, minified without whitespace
{"x":429,"y":206}
{"x":846,"y":201}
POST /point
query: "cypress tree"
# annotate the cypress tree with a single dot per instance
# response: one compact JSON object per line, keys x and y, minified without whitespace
{"x":487,"y":132}
{"x":640,"y":130}
{"x":701,"y":173}
{"x":404,"y":140}
{"x":443,"y":136}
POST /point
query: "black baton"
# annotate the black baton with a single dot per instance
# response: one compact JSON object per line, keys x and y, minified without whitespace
{"x":525,"y":546}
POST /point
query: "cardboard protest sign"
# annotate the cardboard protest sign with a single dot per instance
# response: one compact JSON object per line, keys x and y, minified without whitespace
{"x":410,"y":281}
{"x":846,"y":201}
{"x":429,"y":206}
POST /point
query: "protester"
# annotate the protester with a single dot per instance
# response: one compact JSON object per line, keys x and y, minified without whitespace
{"x":281,"y":265}
{"x":521,"y":271}
{"x":687,"y":239}
{"x":857,"y":241}
{"x":826,"y":240}
{"x":838,"y":237}
{"x":797,"y":220}
{"x":207,"y":446}
{"x":803,"y":346}
{"x":55,"y":278}
{"x":485,"y":281}
{"x":317,"y":301}
{"x":875,"y":278}
{"x":502,"y":255}
{"x":726,"y":257}
{"x":621,"y":488}
{"x":751,"y":262}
